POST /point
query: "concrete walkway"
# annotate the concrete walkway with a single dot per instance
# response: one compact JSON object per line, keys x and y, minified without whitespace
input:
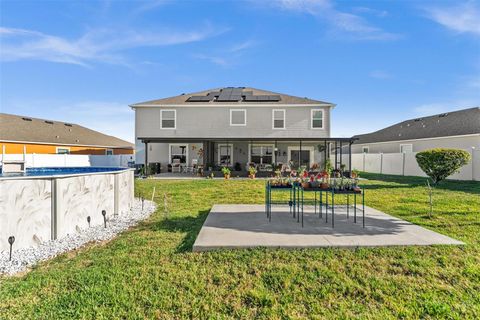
{"x":245,"y":226}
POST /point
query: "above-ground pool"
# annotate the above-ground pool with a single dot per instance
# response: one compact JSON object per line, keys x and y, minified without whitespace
{"x":50,"y":171}
{"x":47,"y":203}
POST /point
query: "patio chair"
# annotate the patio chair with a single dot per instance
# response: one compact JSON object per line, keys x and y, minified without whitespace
{"x":193,"y":167}
{"x":176,"y":166}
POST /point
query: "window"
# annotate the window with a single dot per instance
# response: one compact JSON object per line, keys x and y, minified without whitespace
{"x":63,"y":150}
{"x":238,"y":117}
{"x":317,"y":119}
{"x":109,"y":152}
{"x":225,"y":155}
{"x":404,"y":148}
{"x":261,"y":154}
{"x":364,"y":149}
{"x":278,"y":118}
{"x":168,"y":119}
{"x":178,"y":151}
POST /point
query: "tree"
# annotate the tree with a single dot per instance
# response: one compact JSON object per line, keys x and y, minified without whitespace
{"x":440,"y":163}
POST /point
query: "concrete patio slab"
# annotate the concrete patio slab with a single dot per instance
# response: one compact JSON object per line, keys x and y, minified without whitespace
{"x":246,"y":226}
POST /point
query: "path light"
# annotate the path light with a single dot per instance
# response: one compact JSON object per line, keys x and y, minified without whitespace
{"x":143,"y":200}
{"x":88,"y":220}
{"x":104,"y":214}
{"x":11,"y":240}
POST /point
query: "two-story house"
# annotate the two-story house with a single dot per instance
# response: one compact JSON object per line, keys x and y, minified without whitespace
{"x":236,"y":127}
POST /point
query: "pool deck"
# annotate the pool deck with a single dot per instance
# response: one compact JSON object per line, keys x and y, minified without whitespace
{"x":247,"y":226}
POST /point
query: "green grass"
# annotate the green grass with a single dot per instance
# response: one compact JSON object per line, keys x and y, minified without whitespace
{"x":150,"y":271}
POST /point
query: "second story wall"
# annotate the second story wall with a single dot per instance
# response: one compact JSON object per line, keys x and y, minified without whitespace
{"x":214,"y":122}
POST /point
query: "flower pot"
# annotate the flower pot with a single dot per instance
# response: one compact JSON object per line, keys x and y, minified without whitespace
{"x":226,"y":176}
{"x":324,"y":185}
{"x":251,"y":176}
{"x":305,"y":185}
{"x":314,"y":184}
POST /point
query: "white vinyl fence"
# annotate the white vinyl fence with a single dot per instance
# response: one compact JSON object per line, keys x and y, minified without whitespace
{"x":71,"y":160}
{"x":405,"y":164}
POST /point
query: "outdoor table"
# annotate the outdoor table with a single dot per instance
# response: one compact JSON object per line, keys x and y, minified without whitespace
{"x":269,"y":189}
{"x":332,"y":193}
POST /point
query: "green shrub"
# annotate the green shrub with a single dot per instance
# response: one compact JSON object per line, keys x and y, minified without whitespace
{"x":440,"y":163}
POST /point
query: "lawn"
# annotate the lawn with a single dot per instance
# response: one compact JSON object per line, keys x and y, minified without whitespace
{"x":150,"y":271}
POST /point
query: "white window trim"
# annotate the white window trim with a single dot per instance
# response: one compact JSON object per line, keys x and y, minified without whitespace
{"x":238,"y":125}
{"x":406,"y":144}
{"x":175,"y":118}
{"x":56,"y":150}
{"x":311,"y":119}
{"x":297,"y":148}
{"x":231,"y":152}
{"x":273,"y":119}
{"x":250,"y":145}
{"x":106,"y":151}
{"x":170,"y":151}
{"x":365,"y":147}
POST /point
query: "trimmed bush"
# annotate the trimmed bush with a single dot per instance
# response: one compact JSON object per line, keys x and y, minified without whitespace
{"x":440,"y":163}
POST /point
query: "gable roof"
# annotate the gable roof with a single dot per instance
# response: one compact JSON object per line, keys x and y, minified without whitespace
{"x":27,"y":129}
{"x":453,"y":123}
{"x":183,"y":99}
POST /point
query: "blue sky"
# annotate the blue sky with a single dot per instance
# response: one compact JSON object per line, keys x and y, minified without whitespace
{"x":380,"y":61}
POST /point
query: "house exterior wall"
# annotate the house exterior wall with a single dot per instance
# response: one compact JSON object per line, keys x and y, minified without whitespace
{"x":17,"y":148}
{"x":458,"y":142}
{"x":212,"y":122}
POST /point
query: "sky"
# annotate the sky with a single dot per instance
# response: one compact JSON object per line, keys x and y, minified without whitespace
{"x":380,"y":62}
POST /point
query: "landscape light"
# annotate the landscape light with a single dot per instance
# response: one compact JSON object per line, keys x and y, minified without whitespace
{"x":88,"y":220}
{"x":104,"y":214}
{"x":11,"y":240}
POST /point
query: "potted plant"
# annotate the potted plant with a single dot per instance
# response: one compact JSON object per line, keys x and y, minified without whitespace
{"x":251,"y":172}
{"x":354,"y":174}
{"x":226,"y":172}
{"x":313,"y":181}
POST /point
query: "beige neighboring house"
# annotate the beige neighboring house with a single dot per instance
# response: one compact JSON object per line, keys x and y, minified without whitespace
{"x":19,"y":134}
{"x":457,"y":129}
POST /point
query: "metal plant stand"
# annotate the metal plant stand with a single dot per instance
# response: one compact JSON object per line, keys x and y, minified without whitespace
{"x":269,"y":189}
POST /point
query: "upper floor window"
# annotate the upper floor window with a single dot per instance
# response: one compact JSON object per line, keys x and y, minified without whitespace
{"x":61,"y":150}
{"x":168,"y":119}
{"x":109,"y":152}
{"x":404,"y":148}
{"x":238,"y":117}
{"x":365,"y":149}
{"x":278,"y":118}
{"x":317,"y":119}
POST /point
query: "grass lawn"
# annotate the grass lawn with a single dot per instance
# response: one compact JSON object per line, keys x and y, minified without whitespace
{"x":150,"y":271}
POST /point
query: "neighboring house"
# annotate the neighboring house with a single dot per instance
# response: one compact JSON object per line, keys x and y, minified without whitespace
{"x":457,"y":129}
{"x":22,"y":134}
{"x":234,"y":127}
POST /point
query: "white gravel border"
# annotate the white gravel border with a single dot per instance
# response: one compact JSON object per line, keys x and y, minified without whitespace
{"x":22,"y":259}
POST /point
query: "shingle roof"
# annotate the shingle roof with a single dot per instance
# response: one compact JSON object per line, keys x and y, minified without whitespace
{"x":27,"y":129}
{"x":454,"y":123}
{"x":182,"y":99}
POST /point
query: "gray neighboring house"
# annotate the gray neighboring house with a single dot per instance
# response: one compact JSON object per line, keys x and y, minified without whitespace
{"x":235,"y":127}
{"x":456,"y":129}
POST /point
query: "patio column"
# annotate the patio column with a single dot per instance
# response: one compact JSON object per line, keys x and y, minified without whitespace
{"x":146,"y":158}
{"x":350,"y":158}
{"x":325,"y":151}
{"x":300,"y":155}
{"x":341,"y":155}
{"x":336,"y":158}
{"x":275,"y":151}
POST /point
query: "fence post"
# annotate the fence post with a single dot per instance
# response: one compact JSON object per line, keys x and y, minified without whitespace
{"x":364,"y":162}
{"x":473,"y":163}
{"x":381,"y":162}
{"x":403,"y":163}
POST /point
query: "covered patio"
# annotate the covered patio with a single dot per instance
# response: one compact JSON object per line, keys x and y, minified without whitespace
{"x":267,"y":155}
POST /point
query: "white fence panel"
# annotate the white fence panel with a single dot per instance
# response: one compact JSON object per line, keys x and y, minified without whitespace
{"x":373,"y":162}
{"x":357,"y":161}
{"x":70,"y":160}
{"x":392,"y":163}
{"x":411,"y":166}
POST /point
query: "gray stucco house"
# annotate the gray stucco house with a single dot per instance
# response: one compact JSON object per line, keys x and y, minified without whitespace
{"x":457,"y":129}
{"x":236,"y":127}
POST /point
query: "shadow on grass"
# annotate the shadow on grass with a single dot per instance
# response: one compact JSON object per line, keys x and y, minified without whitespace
{"x":190,"y":225}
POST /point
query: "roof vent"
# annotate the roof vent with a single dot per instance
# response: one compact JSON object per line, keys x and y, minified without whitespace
{"x":58,"y":137}
{"x":27,"y":119}
{"x":419,"y":119}
{"x":77,"y":140}
{"x":49,"y":122}
{"x":68,"y":124}
{"x":443,"y":115}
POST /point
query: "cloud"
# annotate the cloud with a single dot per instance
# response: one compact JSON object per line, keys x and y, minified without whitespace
{"x":229,"y":56}
{"x":346,"y":23}
{"x":463,"y":18}
{"x":380,"y":74}
{"x":99,"y":45}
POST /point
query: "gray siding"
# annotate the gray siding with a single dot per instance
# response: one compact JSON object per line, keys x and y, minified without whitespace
{"x":214,"y":122}
{"x":465,"y":142}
